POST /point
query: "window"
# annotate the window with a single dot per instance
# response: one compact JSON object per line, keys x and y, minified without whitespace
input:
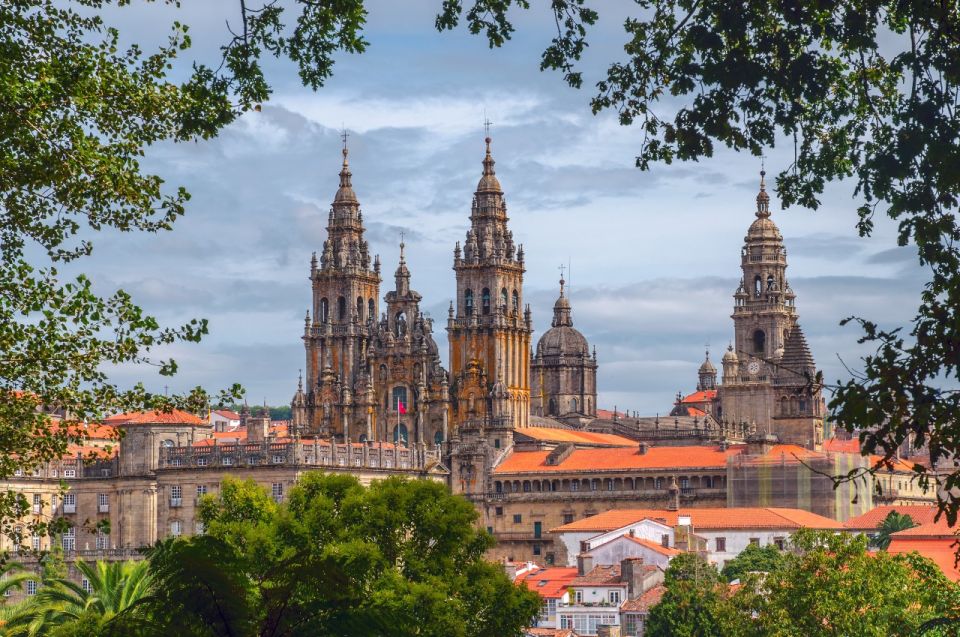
{"x":69,"y":539}
{"x":536,"y":549}
{"x":18,"y":472}
{"x":468,"y":301}
{"x":498,"y":511}
{"x":517,"y":518}
{"x":276,"y":490}
{"x":400,"y":435}
{"x":227,"y":461}
{"x":721,"y":544}
{"x":69,"y":473}
{"x":341,"y":308}
{"x":103,"y":540}
{"x":503,"y":299}
{"x":176,"y":495}
{"x":780,"y":542}
{"x":85,"y":584}
{"x":371,"y":310}
{"x":578,"y":596}
{"x":103,"y":502}
{"x":176,"y":528}
{"x":360,"y":309}
{"x":31,"y":587}
{"x":658,"y":483}
{"x":198,"y":527}
{"x":324,"y":310}
{"x":549,"y":559}
{"x":567,"y":518}
{"x":202,"y":461}
{"x":614,"y":597}
{"x":665,"y":540}
{"x":575,"y":485}
{"x":70,"y":503}
{"x":526,"y":487}
{"x":438,"y":438}
{"x":759,"y":342}
{"x":167,"y":444}
{"x":201,"y":490}
{"x":538,"y":529}
{"x":485,"y":300}
{"x":516,"y":302}
{"x":35,"y":542}
{"x":755,"y":541}
{"x":278,"y":459}
{"x":684,"y":483}
{"x":400,"y":398}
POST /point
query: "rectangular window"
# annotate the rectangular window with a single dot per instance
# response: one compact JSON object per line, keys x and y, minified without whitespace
{"x":69,"y":473}
{"x":103,"y":500}
{"x":103,"y":540}
{"x":517,"y":518}
{"x":755,"y":541}
{"x":70,"y":539}
{"x":614,"y":597}
{"x":537,"y":529}
{"x":202,"y":461}
{"x":176,"y":495}
{"x":201,"y":490}
{"x":567,"y":518}
{"x":85,"y":584}
{"x":199,"y":528}
{"x":176,"y":528}
{"x":35,"y":542}
{"x":278,"y":459}
{"x":665,"y":540}
{"x":31,"y":587}
{"x":780,"y":542}
{"x":498,"y":511}
{"x":721,"y":544}
{"x":70,"y":503}
{"x":578,"y":596}
{"x":227,"y":461}
{"x":276,"y":490}
{"x":574,"y":486}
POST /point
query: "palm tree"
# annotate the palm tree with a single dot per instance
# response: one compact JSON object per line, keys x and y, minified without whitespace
{"x":113,"y":588}
{"x":12,"y":576}
{"x":891,"y":524}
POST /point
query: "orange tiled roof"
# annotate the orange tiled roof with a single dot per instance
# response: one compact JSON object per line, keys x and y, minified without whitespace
{"x":548,"y":434}
{"x":941,"y":550}
{"x":87,"y":451}
{"x":653,"y":546}
{"x":226,"y":413}
{"x":873,"y":518}
{"x":175,"y":417}
{"x":604,"y":575}
{"x":940,"y":529}
{"x":705,"y":396}
{"x":693,"y":412}
{"x":645,"y":602}
{"x":704,"y":519}
{"x":593,"y":460}
{"x":549,"y":632}
{"x":89,"y":431}
{"x":842,"y":446}
{"x":548,"y":582}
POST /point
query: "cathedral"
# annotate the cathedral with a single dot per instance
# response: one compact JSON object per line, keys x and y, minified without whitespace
{"x":373,"y":368}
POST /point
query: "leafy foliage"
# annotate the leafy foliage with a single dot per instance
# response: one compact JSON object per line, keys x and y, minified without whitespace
{"x":396,"y":558}
{"x":690,"y":607}
{"x":753,"y":559}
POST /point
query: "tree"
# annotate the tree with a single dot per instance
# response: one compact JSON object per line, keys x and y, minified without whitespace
{"x":753,"y":559}
{"x":865,"y":91}
{"x":64,"y":607}
{"x":891,"y":524}
{"x":396,"y":558}
{"x":690,"y":607}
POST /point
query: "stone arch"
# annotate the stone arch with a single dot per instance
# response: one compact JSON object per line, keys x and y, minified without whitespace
{"x":341,"y":308}
{"x":468,"y":301}
{"x":516,"y":301}
{"x":360,"y":309}
{"x":759,"y":341}
{"x":324,"y":310}
{"x":371,"y":310}
{"x":485,"y":301}
{"x":503,"y":299}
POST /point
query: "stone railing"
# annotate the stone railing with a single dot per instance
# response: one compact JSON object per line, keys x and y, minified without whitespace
{"x":322,"y":454}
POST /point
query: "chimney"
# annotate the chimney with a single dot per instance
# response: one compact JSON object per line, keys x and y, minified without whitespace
{"x":258,"y":427}
{"x":631,"y":573}
{"x":584,"y":564}
{"x":643,"y":448}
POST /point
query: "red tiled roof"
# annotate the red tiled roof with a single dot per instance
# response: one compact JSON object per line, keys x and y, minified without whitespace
{"x":548,"y":582}
{"x":705,"y":518}
{"x":607,"y":414}
{"x":593,"y":460}
{"x":695,"y":413}
{"x":705,"y":396}
{"x":656,"y":547}
{"x":90,"y":451}
{"x":873,"y":518}
{"x":548,"y":434}
{"x":226,"y":413}
{"x":842,"y":446}
{"x":175,"y":417}
{"x":940,"y":529}
{"x":605,"y":575}
{"x":645,"y":602}
{"x":88,"y":431}
{"x":941,"y":550}
{"x":549,"y":632}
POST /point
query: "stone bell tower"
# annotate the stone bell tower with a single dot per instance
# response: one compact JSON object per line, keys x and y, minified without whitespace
{"x":346,"y":287}
{"x":769,"y":377}
{"x":489,"y":331}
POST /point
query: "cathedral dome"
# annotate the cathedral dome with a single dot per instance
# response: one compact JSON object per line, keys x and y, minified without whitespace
{"x":562,"y":339}
{"x":707,"y":366}
{"x":763,"y":228}
{"x":489,"y":182}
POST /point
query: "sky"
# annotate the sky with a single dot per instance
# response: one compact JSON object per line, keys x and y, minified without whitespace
{"x":654,"y":256}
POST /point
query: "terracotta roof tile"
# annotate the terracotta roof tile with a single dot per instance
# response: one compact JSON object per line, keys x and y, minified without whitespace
{"x":226,"y":413}
{"x":175,"y":417}
{"x":653,"y":546}
{"x":705,"y":518}
{"x":700,"y":396}
{"x":592,"y":460}
{"x":548,"y":582}
{"x":873,"y":518}
{"x":645,"y":602}
{"x":575,"y":436}
{"x":941,"y":550}
{"x":605,"y":575}
{"x":842,"y":446}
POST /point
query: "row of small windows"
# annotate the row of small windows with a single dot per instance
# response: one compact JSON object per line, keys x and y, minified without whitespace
{"x":324,"y":314}
{"x":485,"y":300}
{"x":608,"y":484}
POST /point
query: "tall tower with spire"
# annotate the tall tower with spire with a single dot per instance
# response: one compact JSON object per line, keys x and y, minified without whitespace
{"x":489,"y":328}
{"x":346,"y":284}
{"x":769,"y":377}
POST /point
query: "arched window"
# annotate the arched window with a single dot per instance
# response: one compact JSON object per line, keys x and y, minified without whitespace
{"x":363,"y":437}
{"x":400,"y":434}
{"x":757,"y":286}
{"x":324,"y":310}
{"x":759,"y":342}
{"x":438,"y":438}
{"x":341,"y":308}
{"x":771,"y":284}
{"x":516,"y":301}
{"x":400,"y":398}
{"x":360,"y":309}
{"x":783,"y":406}
{"x":553,"y":407}
{"x":399,"y":324}
{"x":167,"y":443}
{"x":503,"y":299}
{"x":371,"y":310}
{"x":468,"y":301}
{"x":803,"y":406}
{"x":485,"y":308}
{"x":575,"y":405}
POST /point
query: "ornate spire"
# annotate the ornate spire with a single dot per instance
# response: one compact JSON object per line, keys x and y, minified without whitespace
{"x":561,"y":309}
{"x":489,"y":181}
{"x":345,"y":192}
{"x":763,"y":199}
{"x":402,"y":274}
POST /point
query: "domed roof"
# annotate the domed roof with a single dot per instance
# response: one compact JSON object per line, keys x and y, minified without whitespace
{"x":562,"y":339}
{"x":489,"y":182}
{"x":345,"y":192}
{"x":730,"y":356}
{"x":763,"y":228}
{"x":707,"y":366}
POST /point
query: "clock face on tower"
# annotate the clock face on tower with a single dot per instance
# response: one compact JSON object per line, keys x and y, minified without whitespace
{"x":753,"y":367}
